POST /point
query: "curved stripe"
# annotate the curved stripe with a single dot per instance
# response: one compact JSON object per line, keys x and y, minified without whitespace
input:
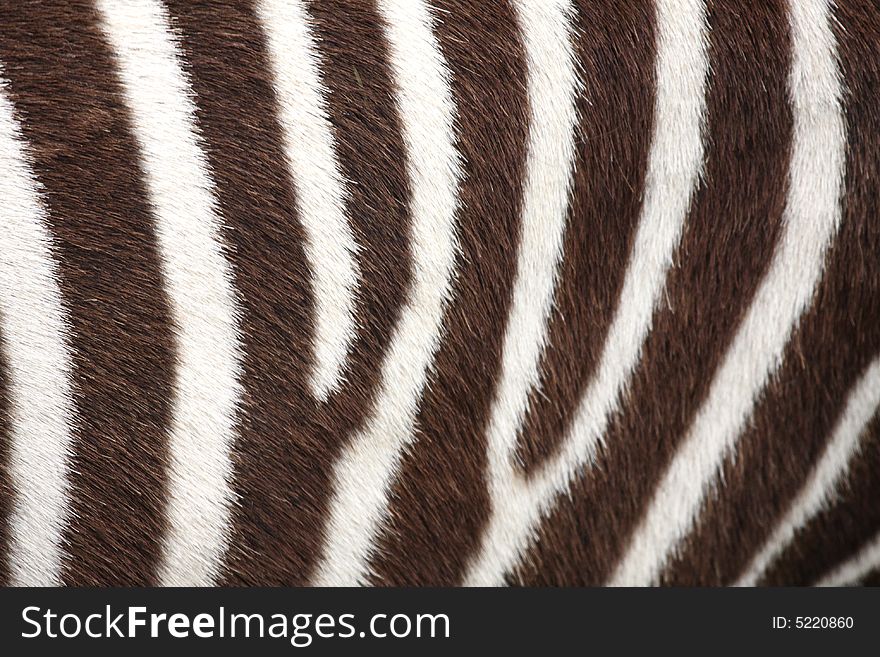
{"x":36,"y":348}
{"x":203,"y":305}
{"x":844,"y":330}
{"x":839,"y":527}
{"x":366,"y":469}
{"x":674,"y":166}
{"x":439,"y":502}
{"x":615,"y":112}
{"x":226,"y":57}
{"x":286,"y":442}
{"x":547,"y":28}
{"x":824,"y":481}
{"x":726,"y":247}
{"x":834,"y":344}
{"x":86,"y":160}
{"x":853,"y":570}
{"x":811,"y":219}
{"x":320,"y":189}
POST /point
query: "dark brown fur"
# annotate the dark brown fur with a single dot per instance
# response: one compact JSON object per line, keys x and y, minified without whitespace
{"x":226,"y":53}
{"x":64,"y":84}
{"x":288,"y":440}
{"x":80,"y":139}
{"x":839,"y":531}
{"x":615,"y":51}
{"x":837,"y":340}
{"x":727,"y":244}
{"x":440,"y":502}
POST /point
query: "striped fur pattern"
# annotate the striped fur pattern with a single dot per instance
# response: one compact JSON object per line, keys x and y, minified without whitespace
{"x":439,"y":292}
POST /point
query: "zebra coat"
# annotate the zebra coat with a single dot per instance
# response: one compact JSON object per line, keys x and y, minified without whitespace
{"x":439,"y":292}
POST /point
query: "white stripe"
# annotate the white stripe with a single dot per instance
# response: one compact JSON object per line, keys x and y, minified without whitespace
{"x":199,"y":284}
{"x":674,"y":167}
{"x":553,"y":89}
{"x":364,"y":473}
{"x":811,"y":218}
{"x":821,"y":488}
{"x":320,"y":190}
{"x":35,"y":342}
{"x":858,"y":567}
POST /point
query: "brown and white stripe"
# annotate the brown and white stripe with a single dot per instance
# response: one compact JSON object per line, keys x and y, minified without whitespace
{"x":438,"y":292}
{"x":36,"y":374}
{"x":70,"y":109}
{"x":366,"y":468}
